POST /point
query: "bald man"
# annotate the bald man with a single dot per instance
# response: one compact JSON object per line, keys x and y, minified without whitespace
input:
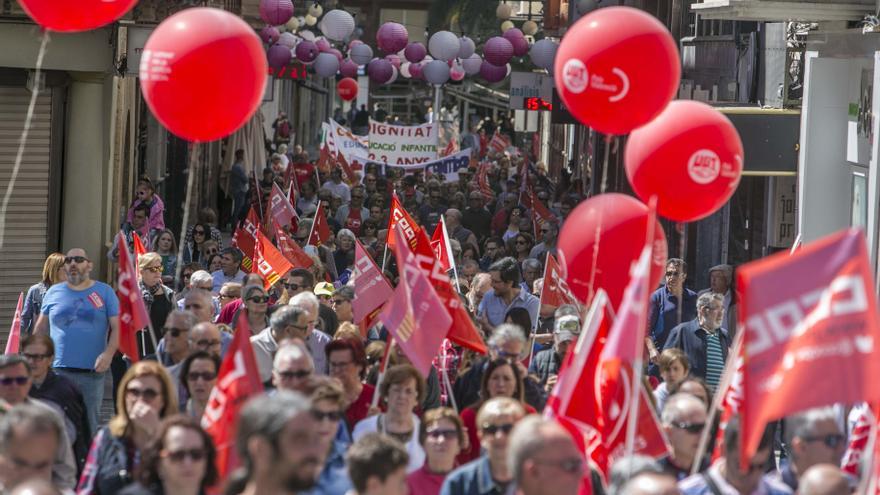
{"x":544,"y":459}
{"x":648,"y":483}
{"x":824,"y":479}
{"x":207,"y":337}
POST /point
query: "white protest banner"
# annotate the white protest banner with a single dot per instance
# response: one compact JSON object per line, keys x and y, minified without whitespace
{"x":346,"y":142}
{"x":446,"y":167}
{"x":402,"y":144}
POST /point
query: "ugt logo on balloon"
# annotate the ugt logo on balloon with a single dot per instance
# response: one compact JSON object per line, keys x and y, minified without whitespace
{"x":577,"y":79}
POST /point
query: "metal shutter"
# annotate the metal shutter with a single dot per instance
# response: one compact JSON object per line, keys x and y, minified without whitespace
{"x":24,"y":249}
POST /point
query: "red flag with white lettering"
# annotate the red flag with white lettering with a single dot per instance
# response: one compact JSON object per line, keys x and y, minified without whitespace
{"x":556,"y":291}
{"x":14,"y":340}
{"x":237,"y":381}
{"x":320,"y":229}
{"x":439,"y":241}
{"x":245,"y":238}
{"x":400,"y":216}
{"x":540,"y":214}
{"x":291,"y":250}
{"x":133,"y":315}
{"x":269,"y":262}
{"x":371,"y":288}
{"x":282,"y":211}
{"x":812,"y":335}
{"x":731,"y":393}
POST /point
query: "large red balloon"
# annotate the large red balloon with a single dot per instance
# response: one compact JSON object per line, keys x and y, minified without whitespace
{"x":70,"y":16}
{"x":690,"y":157}
{"x":622,"y":221}
{"x":616,"y":69}
{"x":347,"y":88}
{"x":203,"y":73}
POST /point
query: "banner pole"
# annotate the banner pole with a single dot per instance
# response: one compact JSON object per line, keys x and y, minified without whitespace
{"x":381,"y":376}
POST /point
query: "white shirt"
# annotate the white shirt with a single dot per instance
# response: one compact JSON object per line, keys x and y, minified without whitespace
{"x":413,"y":448}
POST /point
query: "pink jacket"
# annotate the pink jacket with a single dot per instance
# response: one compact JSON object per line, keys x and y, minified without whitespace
{"x":157,"y":213}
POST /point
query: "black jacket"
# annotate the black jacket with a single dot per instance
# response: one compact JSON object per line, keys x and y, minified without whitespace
{"x":65,"y":394}
{"x":691,"y":339}
{"x":467,"y":387}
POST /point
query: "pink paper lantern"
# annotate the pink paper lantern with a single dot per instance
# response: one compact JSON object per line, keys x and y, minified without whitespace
{"x":498,"y":51}
{"x":276,"y":12}
{"x":392,"y":37}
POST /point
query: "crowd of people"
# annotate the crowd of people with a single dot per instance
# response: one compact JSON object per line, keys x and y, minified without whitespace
{"x":327,"y":424}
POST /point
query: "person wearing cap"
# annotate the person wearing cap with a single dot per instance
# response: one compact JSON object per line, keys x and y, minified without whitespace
{"x":324,"y":291}
{"x":546,"y":363}
{"x":720,"y":282}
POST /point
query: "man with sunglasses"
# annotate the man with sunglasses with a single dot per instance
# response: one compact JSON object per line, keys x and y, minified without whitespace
{"x":288,"y":322}
{"x":812,"y":437}
{"x":490,"y":474}
{"x":292,"y":367}
{"x":81,"y":316}
{"x":671,"y":305}
{"x":544,"y":459}
{"x":549,"y":233}
{"x":29,"y":438}
{"x":683,"y":419}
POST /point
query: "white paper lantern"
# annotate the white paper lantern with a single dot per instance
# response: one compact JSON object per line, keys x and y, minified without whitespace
{"x":307,"y":35}
{"x":361,"y":54}
{"x":315,"y":10}
{"x":436,"y":72}
{"x":293,"y":24}
{"x":404,"y":70}
{"x":471,"y":65}
{"x":288,"y":40}
{"x":338,"y":25}
{"x":529,"y":28}
{"x":394,"y":74}
{"x":543,"y":53}
{"x":311,"y":20}
{"x":326,"y":65}
{"x":444,"y":45}
{"x":467,"y":48}
{"x":504,"y":11}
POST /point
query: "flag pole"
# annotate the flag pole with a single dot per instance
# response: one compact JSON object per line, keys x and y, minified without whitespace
{"x":381,"y":377}
{"x":450,"y":395}
{"x":448,"y":249}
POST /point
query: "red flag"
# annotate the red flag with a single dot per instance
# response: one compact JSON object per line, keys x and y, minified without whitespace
{"x":282,"y":211}
{"x":245,"y":238}
{"x":238,"y":380}
{"x":138,"y":247}
{"x":499,"y":142}
{"x":291,"y":250}
{"x":400,"y":216}
{"x":540,"y":214}
{"x":731,"y":392}
{"x":133,"y":315}
{"x":371,"y":288}
{"x":347,"y":172}
{"x":13,"y":343}
{"x":439,"y":243}
{"x":320,"y":229}
{"x":811,"y":324}
{"x":270,"y":263}
{"x":556,"y":291}
{"x":418,"y":329}
{"x":858,"y":443}
{"x":483,"y":180}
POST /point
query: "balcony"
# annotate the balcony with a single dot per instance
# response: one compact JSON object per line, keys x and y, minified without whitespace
{"x":784,"y":10}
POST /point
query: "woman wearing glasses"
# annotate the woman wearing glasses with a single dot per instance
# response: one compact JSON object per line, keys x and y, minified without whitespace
{"x":193,"y":250}
{"x":180,"y":460}
{"x":521,"y":246}
{"x":158,"y":298}
{"x":145,"y":396}
{"x":255,"y":307}
{"x":198,"y":375}
{"x":442,"y":437}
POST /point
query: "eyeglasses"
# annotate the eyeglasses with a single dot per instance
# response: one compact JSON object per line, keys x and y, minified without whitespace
{"x":191,"y":306}
{"x":692,"y":428}
{"x":294,"y":286}
{"x":832,"y":440}
{"x":36,"y":357}
{"x":204,"y":375}
{"x":332,"y":416}
{"x":438,"y":434}
{"x":147,"y":394}
{"x":336,"y":301}
{"x":7,"y":381}
{"x":175,"y":332}
{"x":74,"y":259}
{"x":186,"y":276}
{"x":506,"y":428}
{"x":179,"y":455}
{"x":573,"y":465}
{"x":290,"y":375}
{"x":154,"y":269}
{"x":225,"y":296}
{"x":198,"y":232}
{"x":259,"y":299}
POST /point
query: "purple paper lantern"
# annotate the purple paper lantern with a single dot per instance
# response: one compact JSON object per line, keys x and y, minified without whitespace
{"x":337,"y":24}
{"x":348,"y":69}
{"x":392,"y":37}
{"x":380,"y":70}
{"x":288,"y":39}
{"x":336,"y":53}
{"x":270,"y":34}
{"x":472,"y":64}
{"x":415,"y":70}
{"x":394,"y":59}
{"x":467,"y":48}
{"x":498,"y":51}
{"x":444,"y":45}
{"x":326,"y":65}
{"x":323,"y":45}
{"x":493,"y":73}
{"x":415,"y":52}
{"x":361,"y":54}
{"x":436,"y":72}
{"x":518,"y":40}
{"x":306,"y":51}
{"x":543,"y":53}
{"x":276,"y":12}
{"x":278,"y":56}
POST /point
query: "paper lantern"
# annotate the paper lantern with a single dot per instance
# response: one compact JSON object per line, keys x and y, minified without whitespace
{"x":504,"y":11}
{"x":394,"y":59}
{"x":287,"y":39}
{"x":278,"y":56}
{"x":311,"y":20}
{"x":543,"y":53}
{"x":336,"y":53}
{"x":404,"y":70}
{"x":361,"y":54}
{"x":354,"y":43}
{"x":348,"y":68}
{"x":306,"y":51}
{"x":308,"y":35}
{"x":380,"y":70}
{"x":518,"y":40}
{"x":415,"y":70}
{"x":444,"y":45}
{"x":394,"y":73}
{"x":497,"y":51}
{"x":530,"y":28}
{"x":436,"y":72}
{"x":323,"y":45}
{"x":467,"y":48}
{"x":276,"y":12}
{"x":392,"y":37}
{"x":506,"y":25}
{"x":471,"y":65}
{"x":270,"y":34}
{"x":415,"y":52}
{"x":456,"y":72}
{"x":293,"y":24}
{"x":338,"y":25}
{"x":493,"y":73}
{"x":315,"y":10}
{"x":326,"y":65}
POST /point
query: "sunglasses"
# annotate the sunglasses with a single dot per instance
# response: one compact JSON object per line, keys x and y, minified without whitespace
{"x":692,"y":428}
{"x":198,"y":232}
{"x":154,"y":269}
{"x":333,"y":416}
{"x":259,"y":299}
{"x":832,"y":441}
{"x":225,"y":296}
{"x":446,"y":434}
{"x":289,"y":375}
{"x":74,"y":259}
{"x":506,"y":428}
{"x":294,"y":286}
{"x":205,"y":375}
{"x":147,"y":394}
{"x":7,"y":381}
{"x":335,"y":301}
{"x":175,"y":332}
{"x":179,"y":455}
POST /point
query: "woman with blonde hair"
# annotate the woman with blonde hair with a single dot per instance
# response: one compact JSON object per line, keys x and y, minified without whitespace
{"x":158,"y":298}
{"x":145,"y":396}
{"x":53,"y":272}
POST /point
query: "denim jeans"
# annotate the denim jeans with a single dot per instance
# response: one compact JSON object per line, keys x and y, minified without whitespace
{"x":92,"y":387}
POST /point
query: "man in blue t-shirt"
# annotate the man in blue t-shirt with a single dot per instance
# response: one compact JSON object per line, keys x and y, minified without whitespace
{"x":82,"y":317}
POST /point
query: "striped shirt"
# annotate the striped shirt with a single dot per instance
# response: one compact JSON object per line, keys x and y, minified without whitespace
{"x":714,"y":359}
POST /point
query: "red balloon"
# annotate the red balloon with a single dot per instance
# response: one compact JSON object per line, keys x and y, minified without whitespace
{"x":690,"y":157}
{"x":73,"y":16}
{"x":347,"y":88}
{"x":203,"y":73}
{"x":617,"y":68}
{"x":623,"y":222}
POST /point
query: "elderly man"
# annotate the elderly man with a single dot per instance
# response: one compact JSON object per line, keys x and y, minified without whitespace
{"x":459,"y":232}
{"x":230,"y":271}
{"x":82,"y":317}
{"x":683,"y":419}
{"x":315,"y":340}
{"x":201,"y":303}
{"x":207,"y":337}
{"x":286,"y":323}
{"x":544,"y":459}
{"x":720,"y":282}
{"x":546,"y":363}
{"x":200,"y":279}
{"x":506,"y":293}
{"x":549,"y":234}
{"x":703,"y":340}
{"x":292,"y":367}
{"x":173,"y":348}
{"x":812,"y":437}
{"x":532,"y":270}
{"x":29,"y":439}
{"x":640,"y":475}
{"x":825,"y":479}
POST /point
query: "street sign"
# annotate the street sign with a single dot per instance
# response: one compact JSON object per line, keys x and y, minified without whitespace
{"x":526,"y":85}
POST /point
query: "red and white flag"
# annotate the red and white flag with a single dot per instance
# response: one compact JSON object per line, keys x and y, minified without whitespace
{"x":320,"y":229}
{"x":133,"y":315}
{"x":237,"y":381}
{"x":810,"y":323}
{"x":283,"y":213}
{"x":371,"y":288}
{"x":858,"y":443}
{"x":291,"y":250}
{"x":440,"y":245}
{"x":269,"y":262}
{"x":245,"y":238}
{"x":138,"y":246}
{"x":730,"y":391}
{"x":483,"y":180}
{"x":499,"y":142}
{"x":556,"y":291}
{"x":14,"y":340}
{"x":399,"y":216}
{"x":540,"y":214}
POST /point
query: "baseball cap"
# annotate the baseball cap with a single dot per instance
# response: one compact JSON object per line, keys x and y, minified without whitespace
{"x":567,"y":323}
{"x":324,"y":289}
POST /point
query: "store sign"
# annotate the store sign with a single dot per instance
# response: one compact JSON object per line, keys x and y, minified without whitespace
{"x":525,"y":86}
{"x":137,"y":38}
